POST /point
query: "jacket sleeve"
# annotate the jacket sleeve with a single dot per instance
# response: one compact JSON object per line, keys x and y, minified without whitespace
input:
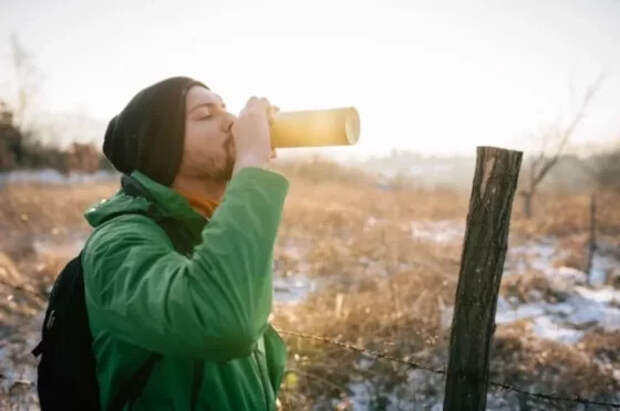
{"x":213,"y":305}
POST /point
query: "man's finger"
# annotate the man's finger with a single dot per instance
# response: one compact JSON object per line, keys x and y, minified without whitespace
{"x":273,"y":110}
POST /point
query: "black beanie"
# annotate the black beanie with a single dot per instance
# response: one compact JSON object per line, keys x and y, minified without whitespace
{"x":148,"y":135}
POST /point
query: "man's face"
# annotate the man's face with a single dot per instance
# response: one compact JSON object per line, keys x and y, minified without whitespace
{"x":208,"y":151}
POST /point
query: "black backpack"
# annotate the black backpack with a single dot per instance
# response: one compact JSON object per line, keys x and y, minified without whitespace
{"x":66,"y":373}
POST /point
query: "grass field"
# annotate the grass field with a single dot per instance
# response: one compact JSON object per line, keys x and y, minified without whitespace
{"x":375,"y":266}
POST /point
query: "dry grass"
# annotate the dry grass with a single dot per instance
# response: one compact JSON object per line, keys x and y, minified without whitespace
{"x":386,"y":290}
{"x":40,"y":209}
{"x":521,"y":359}
{"x":568,"y":213}
{"x":380,"y":287}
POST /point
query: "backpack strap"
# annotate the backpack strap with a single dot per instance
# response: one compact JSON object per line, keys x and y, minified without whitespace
{"x":130,"y":389}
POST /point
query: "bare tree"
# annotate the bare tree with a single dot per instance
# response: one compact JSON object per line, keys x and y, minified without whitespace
{"x":10,"y":140}
{"x":558,"y":139}
{"x":27,"y":80}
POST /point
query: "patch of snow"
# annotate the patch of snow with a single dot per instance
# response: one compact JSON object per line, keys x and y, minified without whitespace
{"x":536,"y":255}
{"x":50,"y":176}
{"x":562,"y":309}
{"x":66,"y":245}
{"x":566,"y":321}
{"x":360,"y":395}
{"x":596,"y":307}
{"x":602,"y":295}
{"x":293,"y":289}
{"x":370,"y":223}
{"x":546,"y":327}
{"x":602,"y":264}
{"x":442,"y":231}
{"x":507,"y":314}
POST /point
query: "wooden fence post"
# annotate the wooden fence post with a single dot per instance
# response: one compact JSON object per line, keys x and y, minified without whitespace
{"x":482,"y":262}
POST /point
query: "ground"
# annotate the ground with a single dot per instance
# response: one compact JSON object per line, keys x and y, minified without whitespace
{"x":369,"y":265}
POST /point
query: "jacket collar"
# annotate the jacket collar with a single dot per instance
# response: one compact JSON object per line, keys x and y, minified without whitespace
{"x":162,"y":200}
{"x":169,"y":202}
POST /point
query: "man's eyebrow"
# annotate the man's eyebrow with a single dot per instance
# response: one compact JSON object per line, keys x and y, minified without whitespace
{"x":210,"y":103}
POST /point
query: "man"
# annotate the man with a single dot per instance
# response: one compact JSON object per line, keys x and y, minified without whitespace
{"x":203,"y":310}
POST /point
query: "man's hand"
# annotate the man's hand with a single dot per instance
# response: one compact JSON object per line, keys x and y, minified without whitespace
{"x":251,"y":134}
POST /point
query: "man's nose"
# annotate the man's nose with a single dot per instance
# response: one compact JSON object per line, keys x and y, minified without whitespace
{"x":228,"y":122}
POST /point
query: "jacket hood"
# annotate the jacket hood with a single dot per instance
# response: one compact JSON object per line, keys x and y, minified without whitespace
{"x":166,"y":201}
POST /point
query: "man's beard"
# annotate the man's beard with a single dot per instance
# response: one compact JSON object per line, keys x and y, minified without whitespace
{"x":224,"y":174}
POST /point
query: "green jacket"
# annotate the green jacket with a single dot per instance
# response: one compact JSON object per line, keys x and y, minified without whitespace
{"x":205,"y":312}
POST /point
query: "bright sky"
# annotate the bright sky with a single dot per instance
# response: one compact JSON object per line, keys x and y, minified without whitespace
{"x":431,"y":76}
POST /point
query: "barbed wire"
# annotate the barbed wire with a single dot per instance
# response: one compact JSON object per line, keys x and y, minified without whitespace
{"x":361,"y":350}
{"x":385,"y":356}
